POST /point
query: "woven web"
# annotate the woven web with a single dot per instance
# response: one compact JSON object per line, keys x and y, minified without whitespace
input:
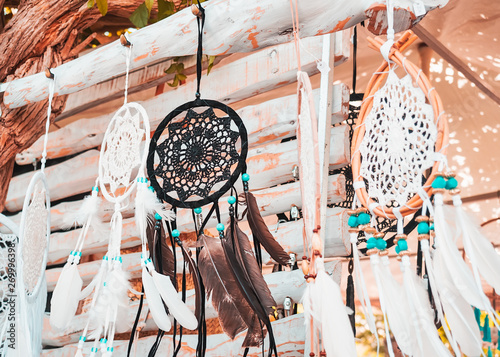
{"x":123,"y":148}
{"x":34,"y":238}
{"x":7,"y":286}
{"x":399,"y":141}
{"x":198,"y":153}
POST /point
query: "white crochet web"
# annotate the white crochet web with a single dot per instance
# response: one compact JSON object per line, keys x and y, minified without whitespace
{"x":35,"y":238}
{"x":122,"y":151}
{"x":399,"y":141}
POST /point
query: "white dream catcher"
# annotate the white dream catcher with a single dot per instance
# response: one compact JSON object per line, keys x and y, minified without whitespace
{"x":121,"y":170}
{"x":31,"y":259}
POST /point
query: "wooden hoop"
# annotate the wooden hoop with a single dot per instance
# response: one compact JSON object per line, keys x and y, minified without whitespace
{"x":377,"y":81}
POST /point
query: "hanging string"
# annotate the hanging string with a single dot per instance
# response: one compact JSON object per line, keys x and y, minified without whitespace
{"x":295,"y":27}
{"x":52,"y":80}
{"x":127,"y":62}
{"x":200,"y":18}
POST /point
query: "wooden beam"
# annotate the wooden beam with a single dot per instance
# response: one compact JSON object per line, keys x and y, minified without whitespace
{"x":289,"y":333}
{"x":281,"y":285}
{"x":288,"y":234}
{"x":248,"y":26}
{"x":271,"y":164}
{"x":265,"y":122}
{"x":456,"y":62}
{"x":271,"y":201}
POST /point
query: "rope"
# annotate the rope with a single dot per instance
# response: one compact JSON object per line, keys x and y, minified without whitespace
{"x":47,"y":123}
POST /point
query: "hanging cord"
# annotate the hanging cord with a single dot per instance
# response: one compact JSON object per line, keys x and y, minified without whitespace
{"x":295,"y":26}
{"x":47,"y":123}
{"x":200,"y":18}
{"x":127,"y":62}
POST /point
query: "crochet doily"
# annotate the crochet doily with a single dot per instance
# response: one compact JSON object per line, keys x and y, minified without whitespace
{"x":399,"y":141}
{"x":122,"y":152}
{"x":198,"y":153}
{"x":34,"y":239}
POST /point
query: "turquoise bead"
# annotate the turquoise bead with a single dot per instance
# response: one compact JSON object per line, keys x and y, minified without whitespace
{"x":381,"y":244}
{"x":431,"y":227}
{"x":95,"y":188}
{"x":353,"y":221}
{"x":423,"y":228}
{"x":157,"y":217}
{"x":220,"y":227}
{"x":151,"y":188}
{"x":245,"y":177}
{"x":364,"y":218}
{"x":439,"y":182}
{"x":402,"y":244}
{"x":371,"y":243}
{"x":451,"y":183}
{"x":231,"y":200}
{"x":197,"y":210}
{"x":397,"y":250}
{"x":176,"y":233}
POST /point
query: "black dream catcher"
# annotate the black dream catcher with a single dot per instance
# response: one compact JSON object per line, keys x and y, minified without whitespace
{"x":196,"y":156}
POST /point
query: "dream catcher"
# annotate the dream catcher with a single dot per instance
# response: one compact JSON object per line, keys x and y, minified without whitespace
{"x":398,"y":162}
{"x":121,"y":170}
{"x":30,"y":293}
{"x":328,"y":328}
{"x":196,"y":155}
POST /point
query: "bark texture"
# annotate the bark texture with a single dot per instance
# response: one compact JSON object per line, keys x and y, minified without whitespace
{"x":41,"y":35}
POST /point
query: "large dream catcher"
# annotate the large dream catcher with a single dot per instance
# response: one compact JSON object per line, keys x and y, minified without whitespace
{"x":196,"y":156}
{"x":399,"y":163}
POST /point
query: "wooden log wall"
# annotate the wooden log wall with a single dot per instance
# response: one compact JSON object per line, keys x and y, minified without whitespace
{"x":270,"y":164}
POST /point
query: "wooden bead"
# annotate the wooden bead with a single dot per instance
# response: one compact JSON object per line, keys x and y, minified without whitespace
{"x":438,"y":190}
{"x":351,"y":212}
{"x":371,"y":251}
{"x":383,"y":252}
{"x":378,"y":235}
{"x":423,"y":237}
{"x":450,"y":174}
{"x":369,"y":229}
{"x":361,"y":210}
{"x":195,"y":10}
{"x":455,"y":191}
{"x":316,"y":242}
{"x":353,"y":230}
{"x":305,"y":267}
{"x":422,"y":219}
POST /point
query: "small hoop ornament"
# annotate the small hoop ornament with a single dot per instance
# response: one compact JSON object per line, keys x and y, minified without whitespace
{"x":198,"y":153}
{"x":376,"y":83}
{"x":121,"y":154}
{"x":34,"y":236}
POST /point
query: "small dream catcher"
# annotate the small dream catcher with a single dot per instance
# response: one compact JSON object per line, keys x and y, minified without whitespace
{"x":31,"y":256}
{"x":121,"y":170}
{"x":196,"y":155}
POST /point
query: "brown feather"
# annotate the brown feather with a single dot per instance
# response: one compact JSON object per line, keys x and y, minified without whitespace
{"x":196,"y":280}
{"x":167,"y":257}
{"x":235,"y":314}
{"x":246,"y":259}
{"x":261,"y":231}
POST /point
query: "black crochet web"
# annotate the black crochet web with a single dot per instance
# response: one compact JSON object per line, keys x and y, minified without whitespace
{"x":199,"y":153}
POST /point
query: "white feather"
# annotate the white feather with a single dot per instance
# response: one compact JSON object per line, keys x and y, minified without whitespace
{"x":479,"y":249}
{"x":120,"y":285}
{"x":452,"y":260}
{"x":175,"y":305}
{"x":397,"y":309}
{"x":459,"y":313}
{"x":65,"y":297}
{"x":89,"y":208}
{"x":154,"y":302}
{"x":421,"y":317}
{"x":330,"y":313}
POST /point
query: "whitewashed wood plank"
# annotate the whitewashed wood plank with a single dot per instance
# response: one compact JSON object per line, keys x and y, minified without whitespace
{"x":281,"y":284}
{"x":265,"y":122}
{"x":66,"y":179}
{"x":230,"y":27}
{"x":288,"y":234}
{"x":289,"y":333}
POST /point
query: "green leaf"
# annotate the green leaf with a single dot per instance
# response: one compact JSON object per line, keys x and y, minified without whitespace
{"x":180,"y":67}
{"x":140,"y":16}
{"x":102,"y":5}
{"x":181,"y":76}
{"x":90,"y":4}
{"x":175,"y":83}
{"x":172,"y":69}
{"x":165,"y":9}
{"x":211,"y":60}
{"x":149,"y":5}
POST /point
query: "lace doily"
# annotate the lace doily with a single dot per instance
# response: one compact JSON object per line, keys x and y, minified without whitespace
{"x":399,"y":141}
{"x":121,"y":148}
{"x":197,"y":154}
{"x":34,"y":239}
